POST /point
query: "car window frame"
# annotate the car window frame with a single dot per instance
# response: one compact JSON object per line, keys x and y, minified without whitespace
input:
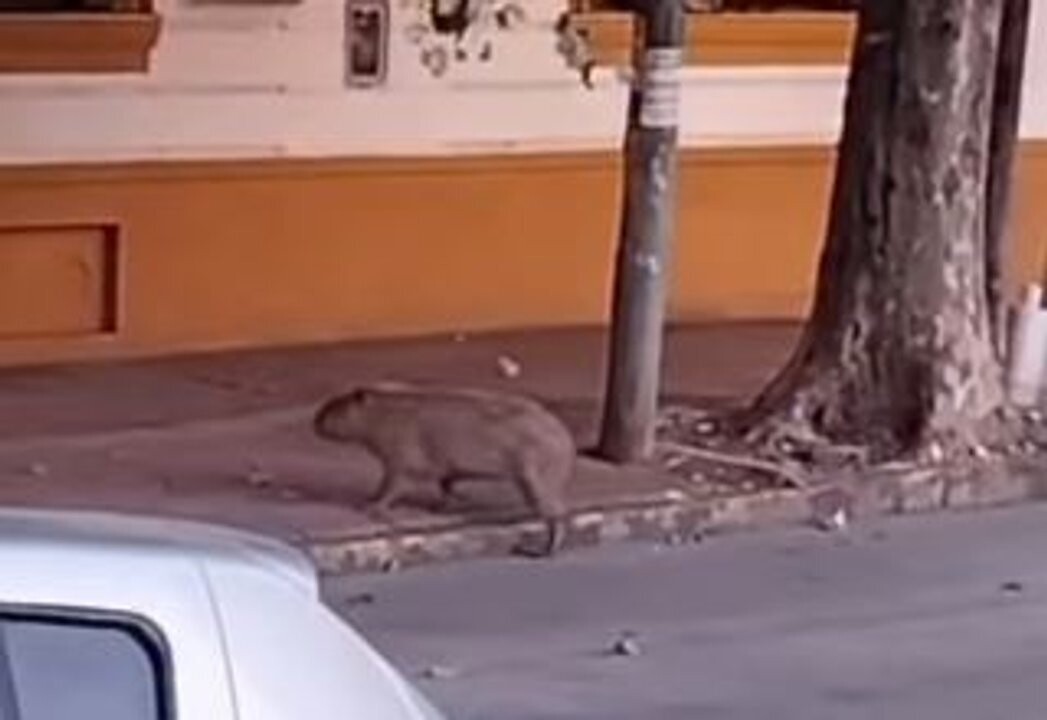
{"x":149,"y":636}
{"x":8,"y":706}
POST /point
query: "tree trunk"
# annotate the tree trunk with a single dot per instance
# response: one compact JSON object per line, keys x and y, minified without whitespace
{"x":1010,"y":74}
{"x":898,"y":352}
{"x":648,"y":215}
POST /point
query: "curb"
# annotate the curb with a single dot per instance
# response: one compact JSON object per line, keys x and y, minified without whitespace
{"x":680,"y":519}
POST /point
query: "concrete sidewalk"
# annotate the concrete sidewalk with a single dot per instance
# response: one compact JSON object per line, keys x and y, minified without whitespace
{"x":723,"y":362}
{"x":225,"y":438}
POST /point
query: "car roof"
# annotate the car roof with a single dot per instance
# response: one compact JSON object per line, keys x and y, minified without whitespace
{"x":157,"y":538}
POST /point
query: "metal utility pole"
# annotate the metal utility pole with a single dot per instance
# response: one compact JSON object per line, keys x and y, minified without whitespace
{"x":1003,"y":142}
{"x":646,"y":234}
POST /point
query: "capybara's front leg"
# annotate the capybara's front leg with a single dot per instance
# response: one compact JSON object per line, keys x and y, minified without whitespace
{"x":389,"y":491}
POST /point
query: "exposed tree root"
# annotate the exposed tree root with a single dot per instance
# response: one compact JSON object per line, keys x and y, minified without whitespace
{"x":744,"y":462}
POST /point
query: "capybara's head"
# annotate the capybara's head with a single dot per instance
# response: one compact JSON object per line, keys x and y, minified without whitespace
{"x":343,"y":417}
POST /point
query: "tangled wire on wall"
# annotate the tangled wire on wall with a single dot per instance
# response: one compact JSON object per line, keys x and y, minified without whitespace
{"x":459,"y":31}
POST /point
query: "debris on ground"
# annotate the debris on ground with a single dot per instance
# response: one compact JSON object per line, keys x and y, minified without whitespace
{"x":625,"y":645}
{"x":676,"y":539}
{"x":439,"y":672}
{"x":838,"y":456}
{"x":835,"y":521}
{"x":706,"y":427}
{"x":935,"y":453}
{"x":38,"y":470}
{"x":831,"y":510}
{"x":364,"y":598}
{"x":674,"y":460}
{"x":979,"y":452}
{"x":258,"y":476}
{"x":1012,"y":587}
{"x":290,"y":494}
{"x":509,"y":367}
{"x":678,"y":422}
{"x":697,"y":446}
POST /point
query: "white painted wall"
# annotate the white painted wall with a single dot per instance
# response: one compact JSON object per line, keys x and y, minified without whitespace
{"x":1034,"y":117}
{"x":266,"y":81}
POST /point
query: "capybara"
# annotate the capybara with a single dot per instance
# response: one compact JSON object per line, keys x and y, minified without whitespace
{"x":432,"y":434}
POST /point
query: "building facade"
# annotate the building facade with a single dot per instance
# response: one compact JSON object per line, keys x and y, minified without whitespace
{"x":237,"y":173}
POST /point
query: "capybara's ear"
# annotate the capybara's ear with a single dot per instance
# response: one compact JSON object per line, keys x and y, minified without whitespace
{"x":360,"y":396}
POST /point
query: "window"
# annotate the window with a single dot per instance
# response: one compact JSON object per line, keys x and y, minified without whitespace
{"x":74,"y":6}
{"x":733,"y":6}
{"x":73,"y":666}
{"x":788,"y":5}
{"x":76,"y":36}
{"x":731,"y":32}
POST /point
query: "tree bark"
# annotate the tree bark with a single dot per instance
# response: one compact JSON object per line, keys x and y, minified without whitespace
{"x":898,"y":352}
{"x":648,"y":218}
{"x":1010,"y":75}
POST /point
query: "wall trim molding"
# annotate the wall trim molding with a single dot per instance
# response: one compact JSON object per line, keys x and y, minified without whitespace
{"x":77,"y":43}
{"x":781,"y":38}
{"x":220,"y":254}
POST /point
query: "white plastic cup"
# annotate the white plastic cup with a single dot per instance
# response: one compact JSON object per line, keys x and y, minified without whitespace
{"x":1028,"y":356}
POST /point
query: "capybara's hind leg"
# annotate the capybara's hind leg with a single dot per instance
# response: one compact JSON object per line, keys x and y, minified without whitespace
{"x":546,"y":500}
{"x":449,"y":488}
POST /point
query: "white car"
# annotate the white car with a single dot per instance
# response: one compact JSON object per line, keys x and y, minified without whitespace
{"x":106,"y":617}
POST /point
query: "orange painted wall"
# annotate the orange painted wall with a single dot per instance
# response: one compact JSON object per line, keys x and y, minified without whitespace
{"x":211,"y":255}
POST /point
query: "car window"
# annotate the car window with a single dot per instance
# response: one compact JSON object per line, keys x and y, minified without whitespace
{"x":66,"y":668}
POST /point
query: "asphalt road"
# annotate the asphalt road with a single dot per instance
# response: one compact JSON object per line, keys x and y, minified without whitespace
{"x":936,"y":617}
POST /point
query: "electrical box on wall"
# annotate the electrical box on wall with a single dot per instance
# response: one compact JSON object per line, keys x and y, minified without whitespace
{"x":366,"y":42}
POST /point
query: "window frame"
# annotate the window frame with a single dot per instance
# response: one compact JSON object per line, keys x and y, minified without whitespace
{"x":144,"y":631}
{"x":725,"y":37}
{"x":99,"y":41}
